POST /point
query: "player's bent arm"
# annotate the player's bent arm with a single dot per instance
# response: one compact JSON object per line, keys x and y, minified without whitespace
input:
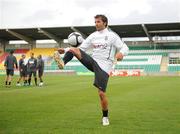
{"x":120,"y":45}
{"x":16,"y":66}
{"x":86,"y":43}
{"x":122,"y":49}
{"x":123,"y":52}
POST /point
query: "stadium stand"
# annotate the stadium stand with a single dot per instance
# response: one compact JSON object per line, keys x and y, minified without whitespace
{"x":144,"y":60}
{"x":152,"y":56}
{"x":46,"y":52}
{"x":2,"y":58}
{"x":21,"y":51}
{"x":174,"y":62}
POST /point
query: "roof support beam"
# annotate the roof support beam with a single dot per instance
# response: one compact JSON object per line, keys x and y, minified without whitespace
{"x":165,"y":31}
{"x":4,"y":43}
{"x":50,"y":35}
{"x":147,"y":33}
{"x":76,"y":30}
{"x":20,"y":36}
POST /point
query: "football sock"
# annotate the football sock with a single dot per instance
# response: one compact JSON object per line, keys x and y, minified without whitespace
{"x":9,"y":83}
{"x":6,"y":82}
{"x":105,"y":113}
{"x":67,"y":57}
{"x":25,"y":81}
{"x":29,"y":81}
{"x":35,"y":79}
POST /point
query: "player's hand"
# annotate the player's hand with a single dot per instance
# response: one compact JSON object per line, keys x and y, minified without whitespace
{"x":119,"y":56}
{"x":61,"y":50}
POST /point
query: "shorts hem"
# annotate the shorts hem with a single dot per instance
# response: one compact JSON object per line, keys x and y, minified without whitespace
{"x":100,"y":88}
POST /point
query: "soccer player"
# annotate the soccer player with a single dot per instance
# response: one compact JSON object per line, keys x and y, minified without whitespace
{"x":9,"y":64}
{"x":22,"y":70}
{"x":40,"y":67}
{"x":32,"y":69}
{"x":107,"y":46}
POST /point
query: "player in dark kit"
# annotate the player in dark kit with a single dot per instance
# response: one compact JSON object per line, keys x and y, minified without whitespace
{"x":22,"y":70}
{"x":40,"y":67}
{"x":32,"y":69}
{"x":9,"y":65}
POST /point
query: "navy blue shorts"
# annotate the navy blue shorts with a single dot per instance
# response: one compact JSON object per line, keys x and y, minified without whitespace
{"x":23,"y":73}
{"x":40,"y":72}
{"x":32,"y":72}
{"x":9,"y":72}
{"x":101,"y":77}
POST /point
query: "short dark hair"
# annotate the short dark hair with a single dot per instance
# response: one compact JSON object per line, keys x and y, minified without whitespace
{"x":40,"y":56}
{"x":103,"y":18}
{"x":11,"y":52}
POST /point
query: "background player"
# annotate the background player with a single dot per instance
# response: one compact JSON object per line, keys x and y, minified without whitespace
{"x":32,"y":69}
{"x":22,"y":70}
{"x":9,"y":64}
{"x":40,"y":68}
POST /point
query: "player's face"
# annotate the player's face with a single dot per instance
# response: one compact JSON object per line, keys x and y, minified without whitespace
{"x":32,"y":55}
{"x":100,"y":25}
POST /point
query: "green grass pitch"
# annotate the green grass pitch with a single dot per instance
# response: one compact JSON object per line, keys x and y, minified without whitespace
{"x":70,"y":105}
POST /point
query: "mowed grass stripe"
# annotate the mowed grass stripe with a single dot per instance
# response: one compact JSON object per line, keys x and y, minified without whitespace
{"x":70,"y":104}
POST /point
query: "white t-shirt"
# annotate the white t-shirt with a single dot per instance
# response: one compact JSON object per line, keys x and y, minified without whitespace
{"x":106,"y":44}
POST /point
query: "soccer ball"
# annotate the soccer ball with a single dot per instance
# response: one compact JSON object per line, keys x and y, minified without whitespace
{"x":75,"y":39}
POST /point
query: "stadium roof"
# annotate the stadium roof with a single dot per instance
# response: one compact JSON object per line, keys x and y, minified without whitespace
{"x":59,"y":33}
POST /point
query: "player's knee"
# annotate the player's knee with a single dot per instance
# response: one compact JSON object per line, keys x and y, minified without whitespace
{"x":76,"y":52}
{"x":101,"y":95}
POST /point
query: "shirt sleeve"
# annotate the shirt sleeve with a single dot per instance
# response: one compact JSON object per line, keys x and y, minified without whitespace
{"x":86,"y":43}
{"x":121,"y":46}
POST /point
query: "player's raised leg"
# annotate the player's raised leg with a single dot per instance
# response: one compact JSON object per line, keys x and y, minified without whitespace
{"x":69,"y":54}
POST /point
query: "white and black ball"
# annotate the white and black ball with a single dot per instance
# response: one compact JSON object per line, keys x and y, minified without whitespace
{"x":75,"y":39}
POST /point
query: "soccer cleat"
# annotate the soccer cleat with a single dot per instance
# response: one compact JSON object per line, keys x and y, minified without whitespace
{"x":105,"y":121}
{"x":18,"y":84}
{"x":7,"y":86}
{"x":25,"y":84}
{"x":41,"y":84}
{"x":58,"y":60}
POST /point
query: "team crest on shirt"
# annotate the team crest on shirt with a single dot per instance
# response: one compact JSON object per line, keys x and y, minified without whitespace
{"x":106,"y":38}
